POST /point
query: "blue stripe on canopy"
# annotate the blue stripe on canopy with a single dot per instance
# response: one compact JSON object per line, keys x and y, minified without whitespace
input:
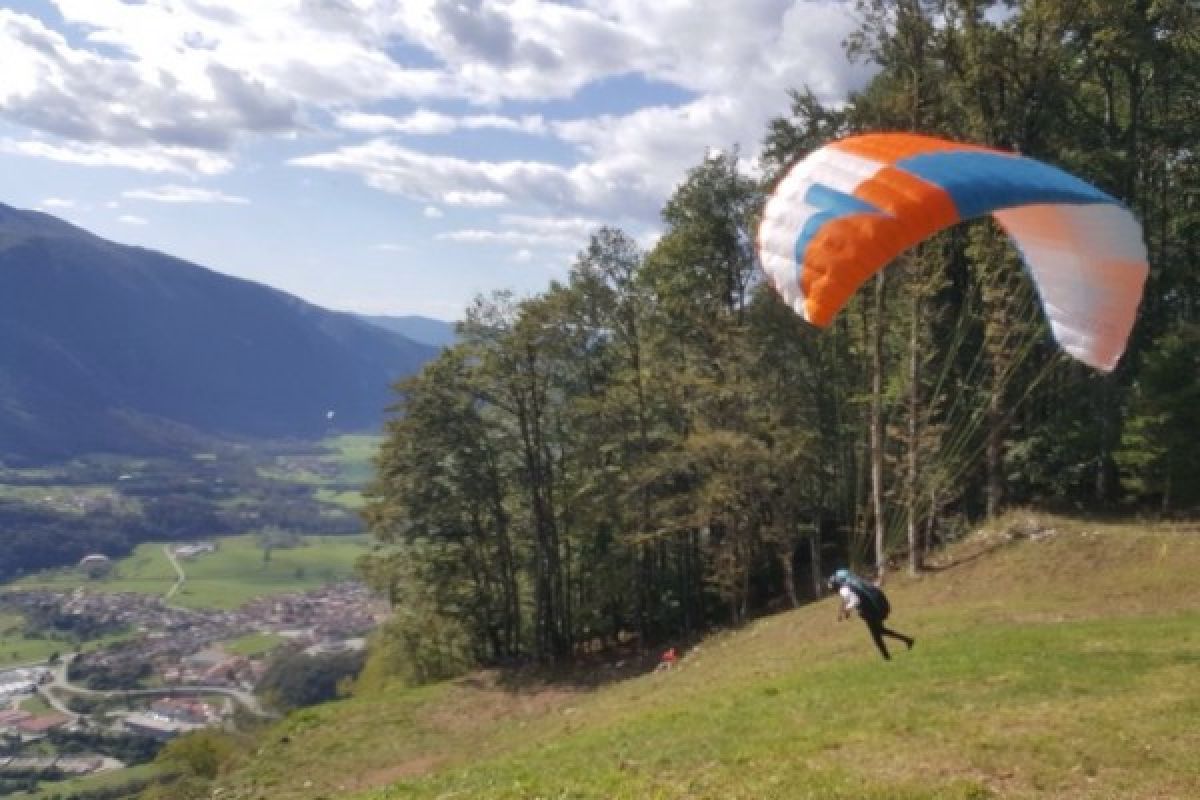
{"x":833,"y":204}
{"x":980,"y":182}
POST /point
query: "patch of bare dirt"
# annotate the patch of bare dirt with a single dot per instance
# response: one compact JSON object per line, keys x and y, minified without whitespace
{"x":409,"y":768}
{"x":482,"y":698}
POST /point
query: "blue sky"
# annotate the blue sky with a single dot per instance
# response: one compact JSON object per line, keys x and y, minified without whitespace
{"x":391,"y":156}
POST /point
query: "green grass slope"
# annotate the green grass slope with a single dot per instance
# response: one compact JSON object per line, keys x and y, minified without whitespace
{"x":1062,"y":665}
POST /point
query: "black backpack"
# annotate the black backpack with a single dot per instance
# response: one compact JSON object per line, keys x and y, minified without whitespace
{"x":870,"y":596}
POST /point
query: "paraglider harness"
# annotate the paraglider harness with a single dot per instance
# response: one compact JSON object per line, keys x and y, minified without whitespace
{"x":870,"y":597}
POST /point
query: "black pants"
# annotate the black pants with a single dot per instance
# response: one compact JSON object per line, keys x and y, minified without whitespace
{"x":879,"y":630}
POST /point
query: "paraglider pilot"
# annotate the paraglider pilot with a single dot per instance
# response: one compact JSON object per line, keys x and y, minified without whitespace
{"x":871,"y":604}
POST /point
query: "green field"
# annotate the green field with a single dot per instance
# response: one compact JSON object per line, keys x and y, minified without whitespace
{"x":70,"y":499}
{"x":104,"y":780}
{"x":355,"y":455}
{"x":1061,"y":667}
{"x":34,"y":704}
{"x":355,"y":467}
{"x":254,"y":644}
{"x":349,"y":500}
{"x":15,"y":649}
{"x":235,"y":573}
{"x":335,"y":476}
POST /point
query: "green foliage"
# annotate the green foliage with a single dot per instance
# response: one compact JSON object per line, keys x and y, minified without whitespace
{"x":1166,"y":412}
{"x":417,"y":645}
{"x":296,"y":679}
{"x":202,"y":754}
{"x":128,"y":748}
{"x":276,"y":538}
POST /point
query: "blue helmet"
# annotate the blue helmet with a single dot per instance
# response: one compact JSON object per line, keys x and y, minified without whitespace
{"x":839,"y":578}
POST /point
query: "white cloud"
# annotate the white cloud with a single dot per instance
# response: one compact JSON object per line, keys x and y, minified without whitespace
{"x":482,"y":198}
{"x":367,"y":89}
{"x":567,"y":227}
{"x":183,"y":194}
{"x":196,"y":75}
{"x":447,"y":180}
{"x":738,"y":59}
{"x":173,"y":86}
{"x":151,"y":158}
{"x":524,"y":49}
{"x":425,"y":122}
{"x":529,"y":231}
{"x":58,"y":202}
{"x":480,"y":236}
{"x":132,"y":219}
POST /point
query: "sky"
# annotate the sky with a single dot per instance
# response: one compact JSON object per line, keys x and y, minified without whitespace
{"x":392,"y":156}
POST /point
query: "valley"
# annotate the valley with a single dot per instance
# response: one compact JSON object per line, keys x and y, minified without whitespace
{"x":134,"y":643}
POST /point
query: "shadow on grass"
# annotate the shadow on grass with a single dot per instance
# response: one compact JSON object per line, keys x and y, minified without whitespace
{"x":963,"y":560}
{"x":588,"y":671}
{"x":1017,"y":527}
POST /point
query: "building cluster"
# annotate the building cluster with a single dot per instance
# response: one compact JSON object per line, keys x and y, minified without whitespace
{"x":334,"y":612}
{"x":88,"y":501}
{"x":311,"y":464}
{"x":27,"y":725}
{"x":172,"y":716}
{"x":15,"y":683}
{"x":194,"y":549}
{"x":213,"y":667}
{"x":181,"y":646}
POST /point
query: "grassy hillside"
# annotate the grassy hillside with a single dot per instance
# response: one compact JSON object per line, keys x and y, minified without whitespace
{"x":1060,"y":665}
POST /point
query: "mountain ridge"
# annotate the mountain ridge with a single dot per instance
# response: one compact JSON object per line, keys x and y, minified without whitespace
{"x":427,"y":330}
{"x":111,"y":347}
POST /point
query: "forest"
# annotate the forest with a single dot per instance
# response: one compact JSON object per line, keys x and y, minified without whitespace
{"x":658,"y":445}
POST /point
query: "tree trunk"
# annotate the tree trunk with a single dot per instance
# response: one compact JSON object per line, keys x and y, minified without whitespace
{"x":995,"y":439}
{"x":789,"y":577}
{"x":814,"y":554}
{"x":877,"y":428}
{"x":914,"y":550}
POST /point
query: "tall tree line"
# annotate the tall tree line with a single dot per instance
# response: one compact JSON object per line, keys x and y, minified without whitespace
{"x":658,"y":445}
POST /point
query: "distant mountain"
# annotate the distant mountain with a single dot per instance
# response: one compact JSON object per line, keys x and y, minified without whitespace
{"x":106,"y":347}
{"x":433,"y":332}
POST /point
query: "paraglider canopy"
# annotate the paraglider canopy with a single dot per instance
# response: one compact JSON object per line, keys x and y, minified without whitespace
{"x":849,"y":208}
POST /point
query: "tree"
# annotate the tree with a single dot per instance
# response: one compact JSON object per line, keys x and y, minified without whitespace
{"x":295,"y":679}
{"x":1165,"y":412}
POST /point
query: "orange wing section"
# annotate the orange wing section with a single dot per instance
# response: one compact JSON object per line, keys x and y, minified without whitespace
{"x":888,"y":148}
{"x":848,"y":250}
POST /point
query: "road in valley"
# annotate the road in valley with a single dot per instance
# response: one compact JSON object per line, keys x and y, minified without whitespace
{"x":178,"y":571}
{"x":59,"y":683}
